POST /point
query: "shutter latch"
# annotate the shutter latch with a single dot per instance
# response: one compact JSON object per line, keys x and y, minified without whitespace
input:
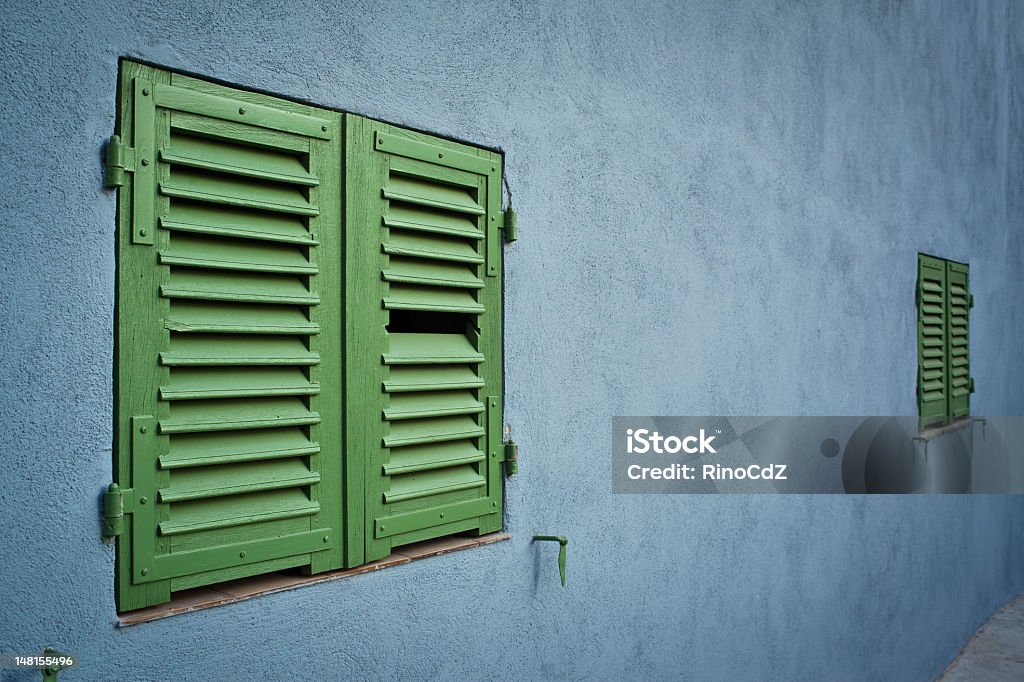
{"x":120,"y":158}
{"x":116,"y":503}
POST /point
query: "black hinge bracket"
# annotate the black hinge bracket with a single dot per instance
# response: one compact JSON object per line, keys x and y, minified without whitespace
{"x":116,"y":503}
{"x":120,"y":159}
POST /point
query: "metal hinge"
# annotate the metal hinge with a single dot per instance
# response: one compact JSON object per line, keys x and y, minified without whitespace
{"x":509,"y":230}
{"x":116,"y":503}
{"x":511,"y":458}
{"x":510,"y":452}
{"x":120,"y":159}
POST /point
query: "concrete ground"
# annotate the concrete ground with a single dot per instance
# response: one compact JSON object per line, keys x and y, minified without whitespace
{"x":996,"y":652}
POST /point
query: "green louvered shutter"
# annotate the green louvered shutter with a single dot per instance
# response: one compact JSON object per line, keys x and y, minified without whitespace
{"x":932,"y":323}
{"x":958,"y":298}
{"x":424,"y":367}
{"x":228,"y":381}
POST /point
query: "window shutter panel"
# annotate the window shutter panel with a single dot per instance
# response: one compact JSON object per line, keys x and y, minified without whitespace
{"x":424,"y":366}
{"x":932,"y":371}
{"x":958,"y":297}
{"x":228,"y":326}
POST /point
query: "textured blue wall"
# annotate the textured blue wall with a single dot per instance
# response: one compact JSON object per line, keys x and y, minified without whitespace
{"x":720,"y":209}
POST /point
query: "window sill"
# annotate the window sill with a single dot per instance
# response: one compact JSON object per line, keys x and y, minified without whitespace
{"x":233,"y":591}
{"x":936,"y":431}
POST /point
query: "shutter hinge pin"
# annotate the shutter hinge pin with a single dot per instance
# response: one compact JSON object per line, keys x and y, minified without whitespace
{"x":116,"y":503}
{"x":120,"y":159}
{"x":509,"y":231}
{"x":511,"y":458}
{"x":511,"y":452}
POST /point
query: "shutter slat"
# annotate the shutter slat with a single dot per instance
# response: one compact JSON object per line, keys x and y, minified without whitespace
{"x":434,"y":482}
{"x":406,"y":297}
{"x":419,"y":405}
{"x":193,"y":383}
{"x":433,"y":195}
{"x":224,"y":221}
{"x":431,"y":274}
{"x":401,"y":243}
{"x":422,"y":219}
{"x":238,"y":510}
{"x":436,"y":456}
{"x":420,"y":431}
{"x":215,"y":285}
{"x":209,"y":350}
{"x":198,"y":316}
{"x":187,"y":184}
{"x":235,"y":479}
{"x":205,"y":449}
{"x":230,"y":254}
{"x":236,"y":159}
{"x":226,"y":415}
{"x":431,"y":378}
{"x":405,"y":349}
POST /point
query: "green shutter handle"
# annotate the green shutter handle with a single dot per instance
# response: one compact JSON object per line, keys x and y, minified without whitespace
{"x":562,"y":542}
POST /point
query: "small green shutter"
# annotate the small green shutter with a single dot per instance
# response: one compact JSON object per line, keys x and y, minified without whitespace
{"x":228,"y":379}
{"x":958,"y":297}
{"x":932,"y":372}
{"x":424,"y":366}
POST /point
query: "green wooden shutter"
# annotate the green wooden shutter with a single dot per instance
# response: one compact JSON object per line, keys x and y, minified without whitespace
{"x":228,"y":379}
{"x":424,"y":367}
{"x":932,"y":371}
{"x":958,"y":305}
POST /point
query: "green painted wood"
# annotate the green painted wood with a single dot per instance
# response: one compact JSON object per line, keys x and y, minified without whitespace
{"x":933,"y":381}
{"x":435,"y":519}
{"x":432,"y":378}
{"x":428,"y":246}
{"x":229,"y":330}
{"x":418,"y":215}
{"x":195,"y":563}
{"x":251,"y":162}
{"x":437,"y":152}
{"x":144,"y":177}
{"x":235,"y":109}
{"x":138,"y":315}
{"x":235,"y":478}
{"x":206,"y":449}
{"x":365,"y":337}
{"x":429,"y":349}
{"x":957,"y":348}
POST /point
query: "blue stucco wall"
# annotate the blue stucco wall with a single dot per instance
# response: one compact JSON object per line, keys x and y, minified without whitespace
{"x":720,"y":208}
